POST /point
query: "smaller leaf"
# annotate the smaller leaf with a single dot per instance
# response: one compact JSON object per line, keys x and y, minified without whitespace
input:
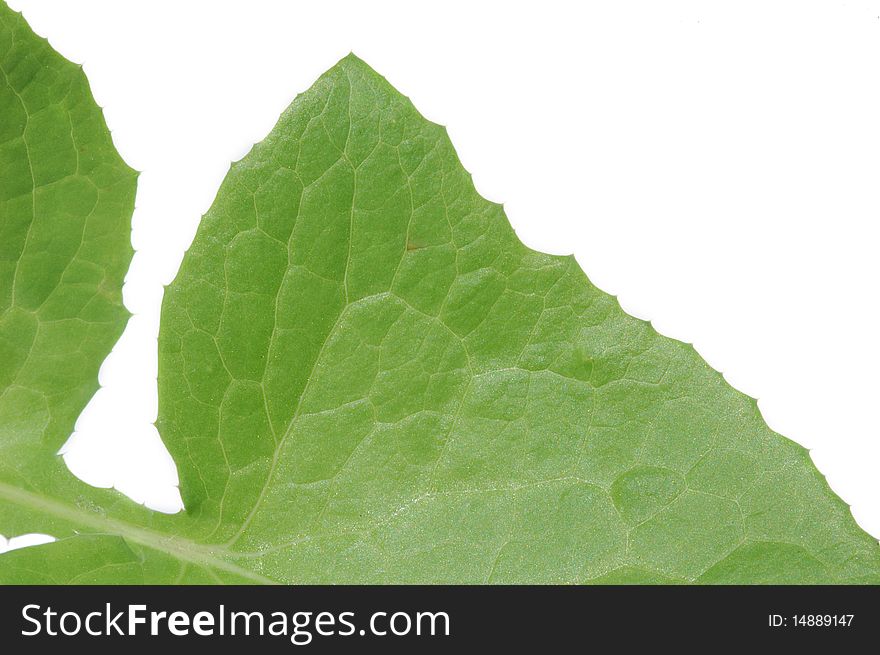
{"x":66,"y":200}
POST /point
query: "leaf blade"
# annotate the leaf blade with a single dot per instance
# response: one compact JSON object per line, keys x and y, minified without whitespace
{"x":66,"y":200}
{"x":449,"y":370}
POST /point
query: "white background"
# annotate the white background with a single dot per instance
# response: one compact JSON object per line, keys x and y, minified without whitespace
{"x":715,"y":166}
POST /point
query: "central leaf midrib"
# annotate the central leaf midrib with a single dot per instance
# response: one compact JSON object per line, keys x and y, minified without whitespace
{"x":177,"y":547}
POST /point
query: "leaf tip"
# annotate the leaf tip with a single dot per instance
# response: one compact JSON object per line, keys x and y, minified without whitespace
{"x":352,"y":59}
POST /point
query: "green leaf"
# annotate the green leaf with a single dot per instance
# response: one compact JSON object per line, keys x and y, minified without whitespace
{"x":365,"y":377}
{"x":66,"y":200}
